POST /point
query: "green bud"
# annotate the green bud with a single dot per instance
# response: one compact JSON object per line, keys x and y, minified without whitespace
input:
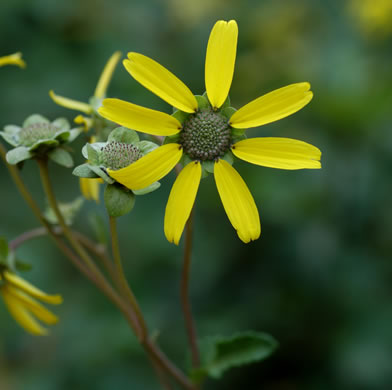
{"x":118,"y":200}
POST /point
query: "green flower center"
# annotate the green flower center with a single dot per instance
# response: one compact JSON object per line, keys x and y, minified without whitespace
{"x":29,"y":135}
{"x":205,"y":135}
{"x":117,"y":155}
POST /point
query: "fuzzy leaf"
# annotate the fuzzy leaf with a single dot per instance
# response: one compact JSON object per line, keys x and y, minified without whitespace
{"x":146,"y":146}
{"x":124,"y":135}
{"x":15,"y":156}
{"x":118,"y":200}
{"x":92,"y":155}
{"x":62,"y":124}
{"x":228,"y":112}
{"x":35,"y":118}
{"x":202,"y":102}
{"x":11,"y":138}
{"x":84,"y":171}
{"x":62,"y":157}
{"x":42,"y":146}
{"x":101,"y":173}
{"x":74,"y":133}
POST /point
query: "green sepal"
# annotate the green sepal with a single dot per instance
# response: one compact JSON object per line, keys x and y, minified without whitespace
{"x":101,"y":173}
{"x":42,"y":146}
{"x":225,"y":104}
{"x":172,"y":139}
{"x":35,"y":118}
{"x":237,"y":135}
{"x":84,"y":170}
{"x":62,"y":136}
{"x":204,"y":172}
{"x":181,"y":116}
{"x":119,"y":200}
{"x":98,"y":225}
{"x":202,"y":102}
{"x":4,"y":250}
{"x":185,"y":160}
{"x":229,"y":157}
{"x":208,"y":166}
{"x":62,"y":124}
{"x":146,"y":146}
{"x":11,"y":138}
{"x":228,"y":112}
{"x":95,"y":103}
{"x":97,"y":146}
{"x":16,"y":155}
{"x":219,"y":353}
{"x":152,"y":187}
{"x":12,"y":129}
{"x":69,"y":211}
{"x":74,"y":133}
{"x":92,"y":155}
{"x":62,"y":157}
{"x":123,"y":135}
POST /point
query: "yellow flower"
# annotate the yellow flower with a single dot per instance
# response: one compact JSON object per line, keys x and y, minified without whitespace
{"x":207,"y":134}
{"x":21,"y":299}
{"x":13,"y":59}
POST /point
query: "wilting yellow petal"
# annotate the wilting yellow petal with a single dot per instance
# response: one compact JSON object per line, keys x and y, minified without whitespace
{"x":85,"y":121}
{"x":139,"y":118}
{"x":90,"y":188}
{"x":282,"y":153}
{"x":39,"y":311}
{"x":150,"y":168}
{"x":21,"y":315}
{"x":273,"y":106}
{"x":237,"y":201}
{"x":220,"y":61}
{"x":13,"y":59}
{"x":70,"y":103}
{"x":160,"y":81}
{"x":181,"y":199}
{"x":106,"y":75}
{"x":30,"y":289}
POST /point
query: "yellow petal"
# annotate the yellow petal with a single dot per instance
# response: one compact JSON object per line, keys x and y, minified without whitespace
{"x":33,"y":306}
{"x":160,"y":81}
{"x":150,"y":168}
{"x":282,"y":153}
{"x":21,"y":315}
{"x":139,"y":118}
{"x":273,"y":106}
{"x":237,"y":201}
{"x":70,"y":103}
{"x":85,"y":121}
{"x":220,"y":60}
{"x":181,"y":199}
{"x":106,"y":75}
{"x":31,"y":290}
{"x":13,"y":59}
{"x":90,"y":188}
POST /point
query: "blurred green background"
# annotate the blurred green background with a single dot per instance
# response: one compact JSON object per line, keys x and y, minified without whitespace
{"x":320,"y":277}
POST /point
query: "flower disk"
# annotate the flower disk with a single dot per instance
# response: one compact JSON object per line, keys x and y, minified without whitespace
{"x":205,"y":135}
{"x":37,"y":131}
{"x":117,"y":155}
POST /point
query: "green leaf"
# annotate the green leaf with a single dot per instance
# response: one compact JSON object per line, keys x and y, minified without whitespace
{"x":97,"y":146}
{"x":124,"y":135}
{"x":12,"y":129}
{"x":98,"y":225}
{"x":35,"y":118}
{"x":62,"y":157}
{"x":92,"y":155}
{"x":146,"y":146}
{"x":62,"y":124}
{"x":11,"y":138}
{"x":74,"y":133}
{"x":3,"y":250}
{"x":152,"y":187}
{"x":202,"y":101}
{"x":84,"y":171}
{"x":222,"y":353}
{"x":118,"y":200}
{"x":15,"y":156}
{"x":181,"y":116}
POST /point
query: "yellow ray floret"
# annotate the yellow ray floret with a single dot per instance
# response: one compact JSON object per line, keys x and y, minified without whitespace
{"x":70,"y":103}
{"x":139,"y":118}
{"x":13,"y":59}
{"x":237,"y":201}
{"x":160,"y":81}
{"x":90,"y":188}
{"x":150,"y":168}
{"x":273,"y":106}
{"x":181,"y":199}
{"x":282,"y":153}
{"x":106,"y":75}
{"x":220,"y":60}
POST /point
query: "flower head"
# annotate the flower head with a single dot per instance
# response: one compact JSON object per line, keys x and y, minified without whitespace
{"x":13,"y":59}
{"x":22,"y":300}
{"x":205,"y":134}
{"x":38,"y":137}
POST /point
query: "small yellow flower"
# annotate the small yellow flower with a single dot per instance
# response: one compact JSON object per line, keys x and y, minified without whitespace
{"x":21,"y":297}
{"x":207,"y":133}
{"x":13,"y":59}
